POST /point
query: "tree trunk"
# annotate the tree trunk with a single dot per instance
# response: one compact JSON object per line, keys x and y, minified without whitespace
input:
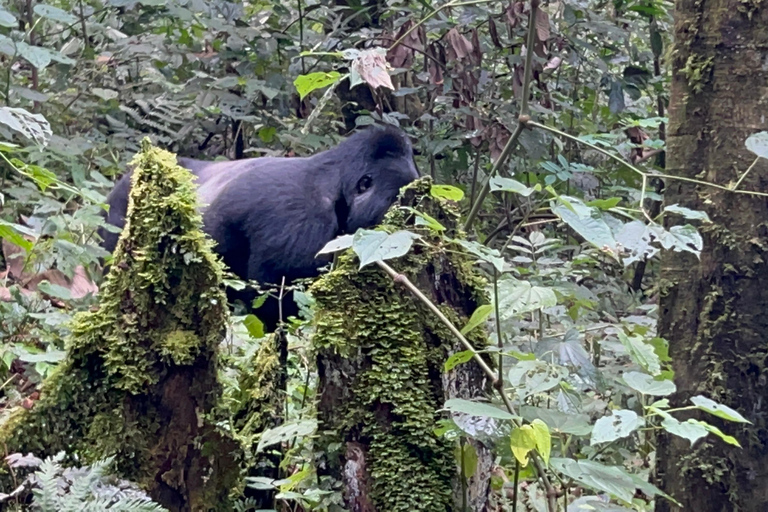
{"x":381,"y":356}
{"x":713,"y":310}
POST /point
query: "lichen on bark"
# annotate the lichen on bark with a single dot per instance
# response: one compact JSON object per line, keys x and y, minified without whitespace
{"x":141,"y":371}
{"x":380,"y":359}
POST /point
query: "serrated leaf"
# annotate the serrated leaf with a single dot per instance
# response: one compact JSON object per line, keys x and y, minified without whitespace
{"x":447,"y":192}
{"x":457,"y":359}
{"x":647,"y":385}
{"x":543,"y":439}
{"x":689,"y":430}
{"x":479,"y":316}
{"x":341,"y":243}
{"x":716,"y":409}
{"x":371,"y":246}
{"x":522,"y":440}
{"x":54,"y":13}
{"x":477,"y":409}
{"x":757,"y":143}
{"x":286,"y":432}
{"x":688,"y":213}
{"x":305,"y":84}
{"x":616,"y":426}
{"x":509,"y":185}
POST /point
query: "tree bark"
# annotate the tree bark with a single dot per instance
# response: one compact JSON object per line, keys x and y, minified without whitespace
{"x":713,"y":309}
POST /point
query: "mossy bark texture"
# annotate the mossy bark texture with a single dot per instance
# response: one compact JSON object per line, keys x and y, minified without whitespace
{"x":381,"y":355}
{"x":140,"y":372}
{"x":713,"y":310}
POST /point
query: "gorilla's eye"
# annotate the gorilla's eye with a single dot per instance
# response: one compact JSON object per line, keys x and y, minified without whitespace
{"x":364,"y":184}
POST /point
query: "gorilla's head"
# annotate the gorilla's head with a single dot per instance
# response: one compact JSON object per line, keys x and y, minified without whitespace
{"x":377,"y":163}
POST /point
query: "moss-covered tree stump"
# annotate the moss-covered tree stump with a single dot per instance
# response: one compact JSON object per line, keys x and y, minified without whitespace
{"x":140,"y":372}
{"x":381,"y":356}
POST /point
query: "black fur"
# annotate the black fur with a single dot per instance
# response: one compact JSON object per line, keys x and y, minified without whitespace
{"x":270,"y":216}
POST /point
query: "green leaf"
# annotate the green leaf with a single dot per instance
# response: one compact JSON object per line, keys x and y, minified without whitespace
{"x":688,"y":213}
{"x":522,"y":440}
{"x":305,"y":84}
{"x":468,"y":459}
{"x":719,"y":433}
{"x":447,"y":192}
{"x":641,"y":353}
{"x":657,"y":45}
{"x":610,"y":479}
{"x":7,"y":19}
{"x":557,"y":421}
{"x":55,"y":14}
{"x":371,"y":246}
{"x":341,"y":243}
{"x":509,"y":185}
{"x":757,"y":143}
{"x":604,"y":204}
{"x":486,"y":254}
{"x":457,"y":359}
{"x":53,"y":356}
{"x":689,"y":430}
{"x":54,"y":290}
{"x":647,"y":385}
{"x":616,"y":426}
{"x":518,"y":297}
{"x":286,"y":432}
{"x":543,"y":439}
{"x":586,"y":221}
{"x":479,"y":316}
{"x":719,"y":410}
{"x":9,"y":232}
{"x":254,"y":325}
{"x":476,"y":409}
{"x":422,"y":219}
{"x":32,"y":126}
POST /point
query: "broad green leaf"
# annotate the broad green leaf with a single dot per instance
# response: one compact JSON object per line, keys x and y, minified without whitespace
{"x":616,"y":426}
{"x":467,"y":458}
{"x":286,"y":432}
{"x":543,"y":439}
{"x":55,"y":14}
{"x":254,"y":325}
{"x":32,"y":126}
{"x":558,"y":422}
{"x":457,"y":359}
{"x":341,"y":243}
{"x":422,"y":219}
{"x":604,"y":204}
{"x":678,"y":238}
{"x":610,"y":479}
{"x":757,"y":143}
{"x":54,"y":290}
{"x":447,"y":192}
{"x":641,"y":353}
{"x":479,"y":316}
{"x":477,"y":409}
{"x":305,"y":84}
{"x":518,"y":297}
{"x":688,"y":213}
{"x":522,"y":440}
{"x":716,"y":409}
{"x":646,"y":384}
{"x":486,"y":254}
{"x":689,"y":430}
{"x":719,"y":433}
{"x":53,"y":356}
{"x":532,"y":377}
{"x":10,"y":233}
{"x":514,"y":186}
{"x":371,"y":246}
{"x":7,"y":19}
{"x":586,"y":221}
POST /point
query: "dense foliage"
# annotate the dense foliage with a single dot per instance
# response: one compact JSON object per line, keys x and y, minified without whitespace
{"x":559,"y":108}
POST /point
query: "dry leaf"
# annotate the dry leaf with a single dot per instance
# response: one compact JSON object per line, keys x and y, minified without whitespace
{"x":458,"y":43}
{"x":494,"y":33}
{"x":542,"y":25}
{"x":371,"y":66}
{"x":553,"y":64}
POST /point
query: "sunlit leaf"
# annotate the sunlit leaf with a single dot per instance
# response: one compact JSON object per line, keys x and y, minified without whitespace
{"x":254,"y":325}
{"x":498,"y":183}
{"x":522,"y":440}
{"x":486,"y":254}
{"x":616,"y":426}
{"x":518,"y":297}
{"x":586,"y":221}
{"x":689,"y":430}
{"x":647,"y":385}
{"x":688,"y":213}
{"x":7,"y":19}
{"x":716,"y":409}
{"x":477,"y":409}
{"x":286,"y":432}
{"x":543,"y":438}
{"x":371,"y":246}
{"x":457,"y":359}
{"x":55,"y":14}
{"x":479,"y":316}
{"x":305,"y":84}
{"x":757,"y":143}
{"x":447,"y":192}
{"x":337,"y":244}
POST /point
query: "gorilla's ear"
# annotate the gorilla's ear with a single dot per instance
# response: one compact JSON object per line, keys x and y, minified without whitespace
{"x":388,"y":142}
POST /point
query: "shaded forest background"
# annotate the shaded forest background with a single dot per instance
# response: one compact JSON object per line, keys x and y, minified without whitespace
{"x":544,"y":122}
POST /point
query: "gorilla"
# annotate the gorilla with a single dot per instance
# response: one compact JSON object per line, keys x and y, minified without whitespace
{"x":270,"y":216}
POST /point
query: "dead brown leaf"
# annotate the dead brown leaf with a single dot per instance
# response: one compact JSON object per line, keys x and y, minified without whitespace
{"x":542,"y":25}
{"x":371,"y":65}
{"x":458,"y":43}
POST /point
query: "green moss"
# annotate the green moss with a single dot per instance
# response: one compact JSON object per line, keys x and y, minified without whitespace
{"x":697,"y":72}
{"x":387,"y":350}
{"x":141,"y":368}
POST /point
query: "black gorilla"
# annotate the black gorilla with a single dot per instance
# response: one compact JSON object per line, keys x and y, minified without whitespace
{"x":270,"y":216}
